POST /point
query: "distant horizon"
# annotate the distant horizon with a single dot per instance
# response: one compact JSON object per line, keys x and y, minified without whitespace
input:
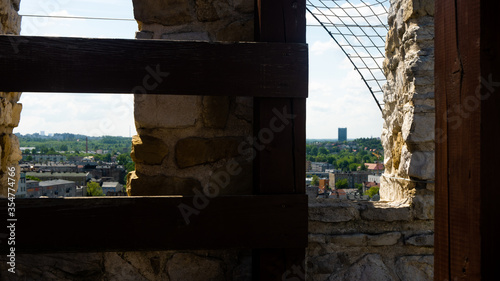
{"x":53,"y":134}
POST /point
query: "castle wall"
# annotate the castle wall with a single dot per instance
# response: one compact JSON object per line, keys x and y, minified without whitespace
{"x":409,"y":111}
{"x":10,"y":109}
{"x":185,"y":142}
{"x":392,"y":239}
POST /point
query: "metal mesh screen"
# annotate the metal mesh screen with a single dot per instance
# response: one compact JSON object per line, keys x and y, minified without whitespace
{"x":359,"y":27}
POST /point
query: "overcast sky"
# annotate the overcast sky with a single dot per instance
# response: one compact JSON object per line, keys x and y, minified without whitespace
{"x":337,"y":95}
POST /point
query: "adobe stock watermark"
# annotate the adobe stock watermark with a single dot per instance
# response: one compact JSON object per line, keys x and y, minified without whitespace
{"x":122,"y":108}
{"x":222,"y":179}
{"x":458,"y":113}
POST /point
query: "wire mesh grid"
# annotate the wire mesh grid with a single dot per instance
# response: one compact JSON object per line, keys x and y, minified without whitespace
{"x":359,"y":28}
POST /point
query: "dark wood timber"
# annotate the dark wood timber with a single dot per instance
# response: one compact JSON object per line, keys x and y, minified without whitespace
{"x":279,"y":167}
{"x":468,"y":134}
{"x":51,"y":64}
{"x":156,"y":223}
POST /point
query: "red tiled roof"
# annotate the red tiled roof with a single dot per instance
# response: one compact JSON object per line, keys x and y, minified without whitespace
{"x":374,"y":166}
{"x":370,"y":184}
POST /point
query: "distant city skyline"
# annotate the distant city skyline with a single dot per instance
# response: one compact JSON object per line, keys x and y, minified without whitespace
{"x":337,"y":95}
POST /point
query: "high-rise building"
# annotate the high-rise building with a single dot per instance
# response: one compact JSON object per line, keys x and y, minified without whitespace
{"x":342,"y":134}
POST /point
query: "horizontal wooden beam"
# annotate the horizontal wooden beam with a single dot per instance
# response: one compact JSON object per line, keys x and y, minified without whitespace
{"x":155,"y":223}
{"x":80,"y":65}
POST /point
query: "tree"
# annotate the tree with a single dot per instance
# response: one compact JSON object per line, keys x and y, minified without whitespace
{"x":353,"y":167}
{"x":29,"y":158}
{"x":107,"y":157}
{"x":363,"y":167}
{"x":63,"y":147}
{"x":341,"y":184}
{"x":33,"y":178}
{"x":314,"y":151}
{"x":94,"y":189}
{"x":359,"y":187}
{"x":372,"y":191}
{"x":315,"y":181}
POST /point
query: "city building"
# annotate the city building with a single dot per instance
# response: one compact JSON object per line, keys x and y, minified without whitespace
{"x":53,"y":189}
{"x":44,"y":158}
{"x":342,"y":134}
{"x":374,"y":178}
{"x":79,"y":178}
{"x":321,"y":166}
{"x":375,"y":168}
{"x":21,"y":186}
{"x":352,"y":179}
{"x":324,"y":185}
{"x":111,"y":186}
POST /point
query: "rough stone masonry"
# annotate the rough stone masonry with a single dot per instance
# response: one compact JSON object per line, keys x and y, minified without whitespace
{"x":10,"y":109}
{"x":185,"y":142}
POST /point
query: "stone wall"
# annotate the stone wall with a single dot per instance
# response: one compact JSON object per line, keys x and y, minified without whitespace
{"x":351,"y":240}
{"x":394,"y":238}
{"x":187,"y":142}
{"x":10,"y":109}
{"x":409,"y":111}
{"x":133,"y":266}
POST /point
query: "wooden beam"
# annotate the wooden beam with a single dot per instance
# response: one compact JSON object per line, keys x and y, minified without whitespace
{"x":279,"y":167}
{"x":155,"y":223}
{"x":467,"y":76}
{"x":79,"y":65}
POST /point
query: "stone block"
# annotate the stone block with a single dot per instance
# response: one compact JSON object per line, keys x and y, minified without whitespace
{"x":237,"y":31}
{"x":165,"y":12}
{"x":422,"y":165}
{"x":243,"y":6}
{"x":74,"y":266}
{"x":16,"y":114}
{"x":215,"y":111}
{"x":196,"y":151}
{"x":144,"y":35}
{"x":418,"y":127}
{"x":16,"y":4}
{"x":415,"y":268}
{"x":145,"y":185}
{"x":318,"y":238}
{"x":333,"y":214}
{"x":386,"y":213}
{"x":162,"y":111}
{"x":233,"y":178}
{"x":349,"y":240}
{"x":116,"y":268}
{"x":325,"y":264}
{"x":148,"y":150}
{"x":369,"y":267}
{"x":426,"y":240}
{"x":423,"y":206}
{"x":205,"y":10}
{"x":321,"y":227}
{"x":395,"y":190}
{"x":386,"y":239}
{"x":186,"y":266}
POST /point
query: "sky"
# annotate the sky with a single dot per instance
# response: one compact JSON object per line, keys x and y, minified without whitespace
{"x":337,"y":95}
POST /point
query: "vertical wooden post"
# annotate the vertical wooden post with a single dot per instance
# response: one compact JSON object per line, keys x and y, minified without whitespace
{"x":467,"y":75}
{"x":279,"y":167}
